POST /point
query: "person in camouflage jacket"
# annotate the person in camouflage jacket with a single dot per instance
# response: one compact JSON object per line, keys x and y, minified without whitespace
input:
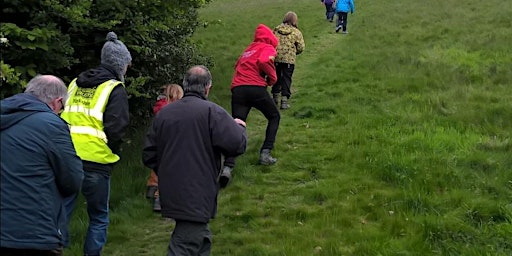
{"x":291,"y":43}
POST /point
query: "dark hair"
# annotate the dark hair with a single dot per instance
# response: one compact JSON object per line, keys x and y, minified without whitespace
{"x":197,"y":79}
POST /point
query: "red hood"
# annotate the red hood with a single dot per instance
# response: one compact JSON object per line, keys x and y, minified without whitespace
{"x":264,"y":34}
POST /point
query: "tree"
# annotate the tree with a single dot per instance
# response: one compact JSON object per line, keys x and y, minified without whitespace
{"x":65,"y":37}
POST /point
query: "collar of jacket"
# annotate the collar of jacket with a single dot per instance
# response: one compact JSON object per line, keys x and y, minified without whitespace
{"x":195,"y":94}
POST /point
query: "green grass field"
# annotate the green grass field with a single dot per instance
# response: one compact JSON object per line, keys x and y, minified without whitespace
{"x":398,"y":141}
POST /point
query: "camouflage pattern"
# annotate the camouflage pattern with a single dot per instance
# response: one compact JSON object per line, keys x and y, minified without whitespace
{"x":291,"y":43}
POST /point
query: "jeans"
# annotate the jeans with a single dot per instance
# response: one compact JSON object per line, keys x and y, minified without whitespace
{"x":190,"y":239}
{"x":245,"y":97}
{"x":96,"y":190}
{"x":342,"y":20}
{"x":284,"y":73}
{"x":329,"y":11}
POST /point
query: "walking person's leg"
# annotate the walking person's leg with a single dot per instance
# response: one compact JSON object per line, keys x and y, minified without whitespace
{"x":330,"y":12}
{"x":69,"y":206}
{"x":344,"y":16}
{"x":277,"y":87}
{"x":240,"y":108}
{"x":96,"y":190}
{"x":263,"y":103}
{"x":327,"y":9}
{"x":152,"y":185}
{"x":190,"y":238}
{"x":339,"y":22}
{"x":286,"y":92}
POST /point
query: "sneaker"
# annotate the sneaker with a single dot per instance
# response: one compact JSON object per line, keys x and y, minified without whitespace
{"x":266,"y":158}
{"x":225,"y":176}
{"x":344,"y":32}
{"x":156,"y":205}
{"x":338,"y":28}
{"x":150,"y":192}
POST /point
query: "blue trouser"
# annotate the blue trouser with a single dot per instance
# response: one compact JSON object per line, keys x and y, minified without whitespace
{"x":96,"y":190}
{"x":329,"y":11}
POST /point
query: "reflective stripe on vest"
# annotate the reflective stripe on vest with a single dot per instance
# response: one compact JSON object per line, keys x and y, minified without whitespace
{"x":84,"y":112}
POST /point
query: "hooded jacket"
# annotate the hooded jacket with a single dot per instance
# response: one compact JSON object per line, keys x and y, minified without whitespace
{"x":291,"y":43}
{"x":39,"y":168}
{"x":345,"y":6}
{"x":116,"y":117}
{"x":184,"y":146}
{"x":256,"y":64}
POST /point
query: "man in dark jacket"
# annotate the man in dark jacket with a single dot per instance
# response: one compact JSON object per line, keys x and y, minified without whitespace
{"x":97,"y":111}
{"x":39,"y":168}
{"x":184,"y":146}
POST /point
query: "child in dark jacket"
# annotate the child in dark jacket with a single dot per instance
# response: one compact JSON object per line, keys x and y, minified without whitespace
{"x":169,"y":94}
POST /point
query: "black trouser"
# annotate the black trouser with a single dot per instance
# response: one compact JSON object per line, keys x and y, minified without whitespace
{"x":284,"y":73}
{"x":342,"y":20}
{"x":190,"y":239}
{"x":29,"y":252}
{"x":245,"y":97}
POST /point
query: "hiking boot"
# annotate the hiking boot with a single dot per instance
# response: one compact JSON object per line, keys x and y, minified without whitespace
{"x":156,"y":205}
{"x":150,"y":192}
{"x":275,"y":97}
{"x":284,"y":103}
{"x":266,"y":158}
{"x":225,"y":176}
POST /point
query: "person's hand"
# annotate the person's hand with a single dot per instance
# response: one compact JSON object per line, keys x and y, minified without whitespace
{"x":240,"y":122}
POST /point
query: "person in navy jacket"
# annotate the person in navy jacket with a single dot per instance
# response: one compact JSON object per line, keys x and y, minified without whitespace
{"x":39,"y":168}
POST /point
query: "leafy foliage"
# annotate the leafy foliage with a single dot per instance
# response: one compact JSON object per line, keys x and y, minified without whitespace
{"x":65,"y":38}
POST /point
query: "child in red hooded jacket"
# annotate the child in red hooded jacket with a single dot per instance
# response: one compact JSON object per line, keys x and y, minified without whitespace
{"x":254,"y":72}
{"x":169,"y":94}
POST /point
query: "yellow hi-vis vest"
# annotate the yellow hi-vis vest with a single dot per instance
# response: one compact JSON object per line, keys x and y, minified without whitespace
{"x":84,"y":113}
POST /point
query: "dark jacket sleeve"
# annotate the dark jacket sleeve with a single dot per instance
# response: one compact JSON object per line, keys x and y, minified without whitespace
{"x":227,"y":135}
{"x":66,"y":165}
{"x":149,"y":150}
{"x":116,"y":118}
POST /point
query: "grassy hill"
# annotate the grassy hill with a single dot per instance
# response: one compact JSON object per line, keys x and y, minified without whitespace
{"x":398,"y":141}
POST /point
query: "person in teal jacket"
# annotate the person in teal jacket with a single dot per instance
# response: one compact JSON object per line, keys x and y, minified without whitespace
{"x":39,"y":167}
{"x":342,"y":9}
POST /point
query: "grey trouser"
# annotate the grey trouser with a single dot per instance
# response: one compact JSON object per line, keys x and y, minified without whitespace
{"x":190,"y":239}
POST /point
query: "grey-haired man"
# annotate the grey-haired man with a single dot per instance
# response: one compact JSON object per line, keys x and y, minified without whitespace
{"x":39,"y":168}
{"x":184,"y":147}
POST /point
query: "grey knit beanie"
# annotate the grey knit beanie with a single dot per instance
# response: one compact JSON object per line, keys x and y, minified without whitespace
{"x":115,"y":54}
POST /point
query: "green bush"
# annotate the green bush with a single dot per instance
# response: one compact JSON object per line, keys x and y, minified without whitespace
{"x":65,"y":38}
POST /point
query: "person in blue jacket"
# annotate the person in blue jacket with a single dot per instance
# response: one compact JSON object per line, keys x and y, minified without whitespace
{"x":342,"y":9}
{"x":39,"y":167}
